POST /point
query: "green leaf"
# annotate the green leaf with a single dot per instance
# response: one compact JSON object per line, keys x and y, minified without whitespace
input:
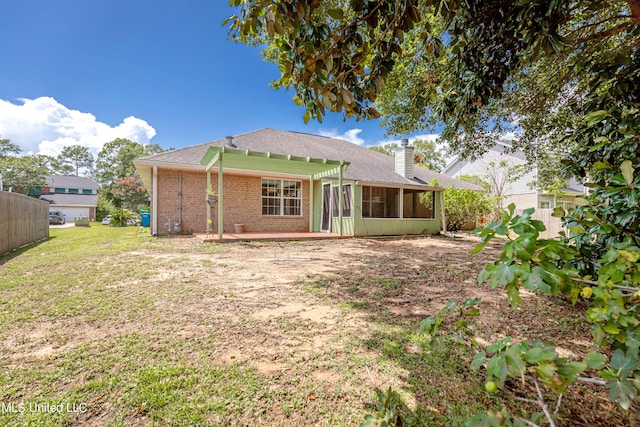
{"x":504,"y":274}
{"x":623,"y":390}
{"x":536,"y":354}
{"x":336,"y":14}
{"x":595,"y":360}
{"x":515,"y":365}
{"x":627,"y":171}
{"x":478,"y":360}
{"x":498,"y":345}
{"x":623,"y":364}
{"x":596,"y":117}
{"x":479,"y":247}
{"x":611,"y":328}
{"x":535,"y":279}
{"x":569,"y":370}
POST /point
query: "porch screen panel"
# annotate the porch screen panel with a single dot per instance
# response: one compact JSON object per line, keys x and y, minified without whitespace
{"x":380,"y":202}
{"x":346,"y":201}
{"x":418,"y":204}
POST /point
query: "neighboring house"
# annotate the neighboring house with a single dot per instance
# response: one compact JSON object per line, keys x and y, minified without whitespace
{"x":516,"y":181}
{"x":509,"y":174}
{"x":277,"y":181}
{"x":72,"y":195}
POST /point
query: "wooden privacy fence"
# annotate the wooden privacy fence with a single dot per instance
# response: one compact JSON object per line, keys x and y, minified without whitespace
{"x":23,"y":220}
{"x":553,"y":224}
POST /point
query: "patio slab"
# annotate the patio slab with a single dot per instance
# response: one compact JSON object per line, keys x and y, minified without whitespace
{"x":266,"y":236}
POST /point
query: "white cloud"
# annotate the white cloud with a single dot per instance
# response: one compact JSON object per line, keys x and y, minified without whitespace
{"x":351,"y":135}
{"x":45,"y":126}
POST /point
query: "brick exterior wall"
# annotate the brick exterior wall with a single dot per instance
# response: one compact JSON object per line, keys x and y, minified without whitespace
{"x":242,"y":203}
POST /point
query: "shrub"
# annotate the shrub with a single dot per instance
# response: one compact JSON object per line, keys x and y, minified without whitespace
{"x":463,"y":206}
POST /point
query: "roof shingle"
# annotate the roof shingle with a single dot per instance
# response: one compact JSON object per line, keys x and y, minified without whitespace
{"x":365,"y":165}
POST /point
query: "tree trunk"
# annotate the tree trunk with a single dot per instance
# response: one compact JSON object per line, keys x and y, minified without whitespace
{"x":635,"y":10}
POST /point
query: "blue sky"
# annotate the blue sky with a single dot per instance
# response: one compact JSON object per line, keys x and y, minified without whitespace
{"x":88,"y":71}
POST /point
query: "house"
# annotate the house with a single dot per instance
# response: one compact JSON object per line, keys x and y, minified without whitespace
{"x":276,"y":181}
{"x":72,"y":195}
{"x":512,"y":177}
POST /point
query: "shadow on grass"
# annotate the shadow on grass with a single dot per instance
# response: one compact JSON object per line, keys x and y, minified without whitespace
{"x":395,"y":289}
{"x":22,"y":249}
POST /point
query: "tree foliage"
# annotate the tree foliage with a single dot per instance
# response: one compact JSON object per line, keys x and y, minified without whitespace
{"x":75,"y":158}
{"x":129,"y":193}
{"x":115,"y":160}
{"x":426,"y":153}
{"x":23,"y":173}
{"x":477,"y":67}
{"x":8,"y":148}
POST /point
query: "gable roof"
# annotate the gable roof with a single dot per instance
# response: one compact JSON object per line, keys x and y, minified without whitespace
{"x":366,"y":165}
{"x":504,"y":146}
{"x":70,"y":181}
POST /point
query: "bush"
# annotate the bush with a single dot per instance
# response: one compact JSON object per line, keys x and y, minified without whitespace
{"x":122,"y":217}
{"x":463,"y":206}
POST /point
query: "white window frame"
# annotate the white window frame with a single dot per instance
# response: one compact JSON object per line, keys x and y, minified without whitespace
{"x":281,"y":198}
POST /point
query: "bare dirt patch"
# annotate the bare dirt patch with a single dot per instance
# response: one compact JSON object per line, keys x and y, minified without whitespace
{"x":320,"y":320}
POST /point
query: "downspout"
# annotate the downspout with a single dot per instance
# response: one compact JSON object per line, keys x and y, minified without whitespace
{"x":154,"y":200}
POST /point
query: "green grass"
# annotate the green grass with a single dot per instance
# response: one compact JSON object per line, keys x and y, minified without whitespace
{"x":115,"y":315}
{"x":100,"y":276}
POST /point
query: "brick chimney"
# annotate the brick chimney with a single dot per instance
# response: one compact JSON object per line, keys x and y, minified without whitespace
{"x":404,"y":159}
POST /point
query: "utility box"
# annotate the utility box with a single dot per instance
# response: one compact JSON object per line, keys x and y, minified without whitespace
{"x":81,"y":221}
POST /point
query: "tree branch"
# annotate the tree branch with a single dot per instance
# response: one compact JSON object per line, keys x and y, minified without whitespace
{"x":606,"y":34}
{"x":591,"y":380}
{"x":543,"y":405}
{"x":595,"y":24}
{"x":635,"y":10}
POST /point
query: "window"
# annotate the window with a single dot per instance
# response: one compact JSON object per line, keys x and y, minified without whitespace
{"x":87,"y":191}
{"x":73,"y":190}
{"x":544,"y":204}
{"x":59,"y":190}
{"x":418,"y":204}
{"x":346,"y":201}
{"x":281,"y":197}
{"x":380,"y":202}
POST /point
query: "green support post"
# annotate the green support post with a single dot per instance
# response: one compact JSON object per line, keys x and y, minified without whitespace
{"x":220,"y":199}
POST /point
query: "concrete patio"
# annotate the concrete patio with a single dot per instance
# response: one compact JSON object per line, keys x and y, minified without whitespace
{"x":266,"y":236}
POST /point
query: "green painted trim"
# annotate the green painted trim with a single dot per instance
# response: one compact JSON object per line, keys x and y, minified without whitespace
{"x":340,"y":200}
{"x":220,"y":199}
{"x":208,"y":205}
{"x":270,"y":162}
{"x":311,"y":201}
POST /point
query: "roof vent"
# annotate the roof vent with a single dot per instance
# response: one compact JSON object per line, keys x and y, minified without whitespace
{"x":230,"y":143}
